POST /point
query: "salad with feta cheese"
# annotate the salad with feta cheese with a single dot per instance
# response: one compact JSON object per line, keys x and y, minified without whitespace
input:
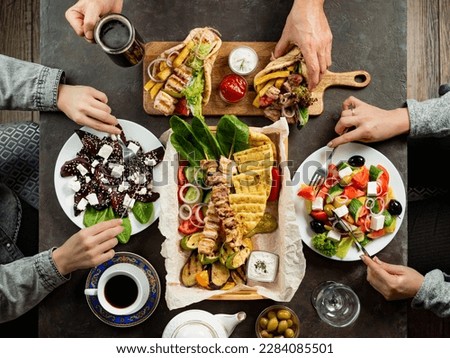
{"x":105,"y":187}
{"x":358,"y":194}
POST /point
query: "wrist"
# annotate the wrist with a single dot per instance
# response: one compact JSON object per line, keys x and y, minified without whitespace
{"x":401,"y":116}
{"x":61,"y":262}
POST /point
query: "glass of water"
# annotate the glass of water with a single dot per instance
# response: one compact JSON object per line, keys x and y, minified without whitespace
{"x":336,"y":304}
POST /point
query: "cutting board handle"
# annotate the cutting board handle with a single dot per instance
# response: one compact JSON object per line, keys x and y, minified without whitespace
{"x":358,"y":79}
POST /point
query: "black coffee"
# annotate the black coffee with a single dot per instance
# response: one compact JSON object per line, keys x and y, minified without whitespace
{"x":121,"y":291}
{"x":114,"y":34}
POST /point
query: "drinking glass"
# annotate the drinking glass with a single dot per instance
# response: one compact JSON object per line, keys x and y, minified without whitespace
{"x":336,"y":304}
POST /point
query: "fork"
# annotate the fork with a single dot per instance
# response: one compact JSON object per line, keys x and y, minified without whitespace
{"x":127,"y":153}
{"x":321,"y":173}
{"x":348,"y":229}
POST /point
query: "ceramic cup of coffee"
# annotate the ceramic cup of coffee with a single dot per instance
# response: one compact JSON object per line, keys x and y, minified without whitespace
{"x":122,"y":289}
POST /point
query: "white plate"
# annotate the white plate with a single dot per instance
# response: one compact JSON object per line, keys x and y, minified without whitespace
{"x":133,"y":131}
{"x":344,"y":152}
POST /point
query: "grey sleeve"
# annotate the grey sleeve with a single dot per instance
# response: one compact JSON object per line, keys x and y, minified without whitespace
{"x":26,"y":282}
{"x":28,"y":86}
{"x":434,"y":294}
{"x":430,"y":118}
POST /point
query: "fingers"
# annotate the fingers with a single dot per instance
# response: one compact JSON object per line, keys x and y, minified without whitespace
{"x":351,"y":102}
{"x":102,"y":226}
{"x":75,"y":19}
{"x":313,"y":68}
{"x":390,"y":268}
{"x":281,"y":47}
{"x":91,"y":17}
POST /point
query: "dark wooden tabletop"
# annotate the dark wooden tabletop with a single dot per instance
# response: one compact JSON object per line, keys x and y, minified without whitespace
{"x":367,"y":35}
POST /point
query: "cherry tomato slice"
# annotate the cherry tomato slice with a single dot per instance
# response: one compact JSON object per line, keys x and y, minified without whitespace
{"x":306,"y":192}
{"x":187,"y":228}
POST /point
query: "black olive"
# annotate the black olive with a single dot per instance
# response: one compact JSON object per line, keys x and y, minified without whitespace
{"x":356,"y":161}
{"x":394,"y":207}
{"x":317,"y":226}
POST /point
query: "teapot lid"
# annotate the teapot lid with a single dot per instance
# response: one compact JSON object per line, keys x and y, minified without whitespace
{"x":194,"y":324}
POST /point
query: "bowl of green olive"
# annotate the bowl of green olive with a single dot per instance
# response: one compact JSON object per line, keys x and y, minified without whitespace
{"x":277,"y":321}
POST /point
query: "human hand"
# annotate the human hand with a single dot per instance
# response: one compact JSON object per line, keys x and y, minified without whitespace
{"x":89,"y":247}
{"x":369,"y":123}
{"x":307,"y":27}
{"x":87,"y":106}
{"x":85,"y":13}
{"x":394,"y":282}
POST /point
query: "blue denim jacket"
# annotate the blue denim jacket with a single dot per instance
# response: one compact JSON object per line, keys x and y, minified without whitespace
{"x":24,"y":282}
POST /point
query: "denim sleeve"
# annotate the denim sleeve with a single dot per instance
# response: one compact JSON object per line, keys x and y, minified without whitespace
{"x":430,"y":118}
{"x":434,"y":294}
{"x":26,"y":282}
{"x":27,"y":85}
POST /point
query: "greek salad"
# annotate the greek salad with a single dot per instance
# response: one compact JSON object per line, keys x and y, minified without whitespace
{"x":358,"y":194}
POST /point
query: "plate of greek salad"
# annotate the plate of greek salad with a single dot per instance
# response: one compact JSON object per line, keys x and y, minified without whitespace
{"x":93,"y":183}
{"x":363,"y":188}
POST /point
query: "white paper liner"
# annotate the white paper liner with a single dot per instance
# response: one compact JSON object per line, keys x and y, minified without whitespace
{"x":285,"y":241}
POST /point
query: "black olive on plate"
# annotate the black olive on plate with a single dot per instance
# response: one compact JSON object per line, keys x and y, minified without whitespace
{"x":356,"y":161}
{"x":394,"y":207}
{"x":317,"y":226}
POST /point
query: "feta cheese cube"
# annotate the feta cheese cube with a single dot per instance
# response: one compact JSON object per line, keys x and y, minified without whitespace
{"x":82,"y":204}
{"x":75,"y":185}
{"x":149,"y":162}
{"x":88,"y":179}
{"x":341,"y":211}
{"x":105,"y":151}
{"x":83,"y":171}
{"x":113,"y":137}
{"x":345,"y":172}
{"x":372,"y":188}
{"x":143,"y":191}
{"x":92,"y":199}
{"x":128,"y":202}
{"x":334,"y":235}
{"x":95,"y":163}
{"x":123,"y":186}
{"x":377,"y":222}
{"x":317,"y":204}
{"x":133,"y":147}
{"x":117,"y":171}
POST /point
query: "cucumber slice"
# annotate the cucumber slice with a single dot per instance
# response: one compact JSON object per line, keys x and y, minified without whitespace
{"x":388,"y":218}
{"x":334,"y":192}
{"x":189,"y":172}
{"x":355,"y":208}
{"x":374,"y":173}
{"x":192,"y":195}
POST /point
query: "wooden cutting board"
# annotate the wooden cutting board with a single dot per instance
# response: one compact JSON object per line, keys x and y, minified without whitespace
{"x":217,"y":107}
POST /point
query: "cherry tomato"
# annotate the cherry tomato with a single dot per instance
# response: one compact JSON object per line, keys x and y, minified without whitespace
{"x":265,"y":101}
{"x":276,"y":185}
{"x":376,"y":234}
{"x":181,"y":176}
{"x":306,"y":192}
{"x":186,"y":227}
{"x":319,"y":215}
{"x":181,"y":107}
{"x":361,"y":178}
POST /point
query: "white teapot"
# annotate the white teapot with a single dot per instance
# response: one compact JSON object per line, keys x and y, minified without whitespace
{"x":202,"y":324}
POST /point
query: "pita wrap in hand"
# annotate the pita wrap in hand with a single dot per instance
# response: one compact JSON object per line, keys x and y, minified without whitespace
{"x":180,"y":78}
{"x":282,"y":89}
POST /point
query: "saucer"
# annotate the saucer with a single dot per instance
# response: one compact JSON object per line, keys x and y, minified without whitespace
{"x":137,"y":317}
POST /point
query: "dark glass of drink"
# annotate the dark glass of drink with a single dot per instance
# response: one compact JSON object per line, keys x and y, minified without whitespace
{"x":119,"y":39}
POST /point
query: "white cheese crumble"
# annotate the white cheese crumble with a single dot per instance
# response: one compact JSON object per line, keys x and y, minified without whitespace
{"x":92,"y":199}
{"x":83,"y":171}
{"x":82,"y":204}
{"x":133,"y":147}
{"x":105,"y":151}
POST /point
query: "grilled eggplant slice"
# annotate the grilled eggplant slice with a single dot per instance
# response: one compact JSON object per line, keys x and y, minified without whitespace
{"x":219,"y":275}
{"x":191,"y":268}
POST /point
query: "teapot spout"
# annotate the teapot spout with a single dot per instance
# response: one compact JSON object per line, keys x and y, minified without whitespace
{"x":230,"y":321}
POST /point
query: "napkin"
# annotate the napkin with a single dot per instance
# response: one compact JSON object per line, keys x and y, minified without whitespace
{"x":285,"y":241}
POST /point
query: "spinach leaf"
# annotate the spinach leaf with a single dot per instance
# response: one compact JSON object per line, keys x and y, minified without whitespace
{"x":125,"y":235}
{"x":232,"y":135}
{"x":206,"y":139}
{"x":93,"y":216}
{"x":142,"y":211}
{"x":187,"y":150}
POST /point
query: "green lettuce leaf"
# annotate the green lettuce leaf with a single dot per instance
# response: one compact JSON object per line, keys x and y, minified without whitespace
{"x":142,"y":211}
{"x":232,"y":135}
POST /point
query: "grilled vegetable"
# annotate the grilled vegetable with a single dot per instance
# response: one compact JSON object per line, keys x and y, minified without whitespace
{"x":190,"y":269}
